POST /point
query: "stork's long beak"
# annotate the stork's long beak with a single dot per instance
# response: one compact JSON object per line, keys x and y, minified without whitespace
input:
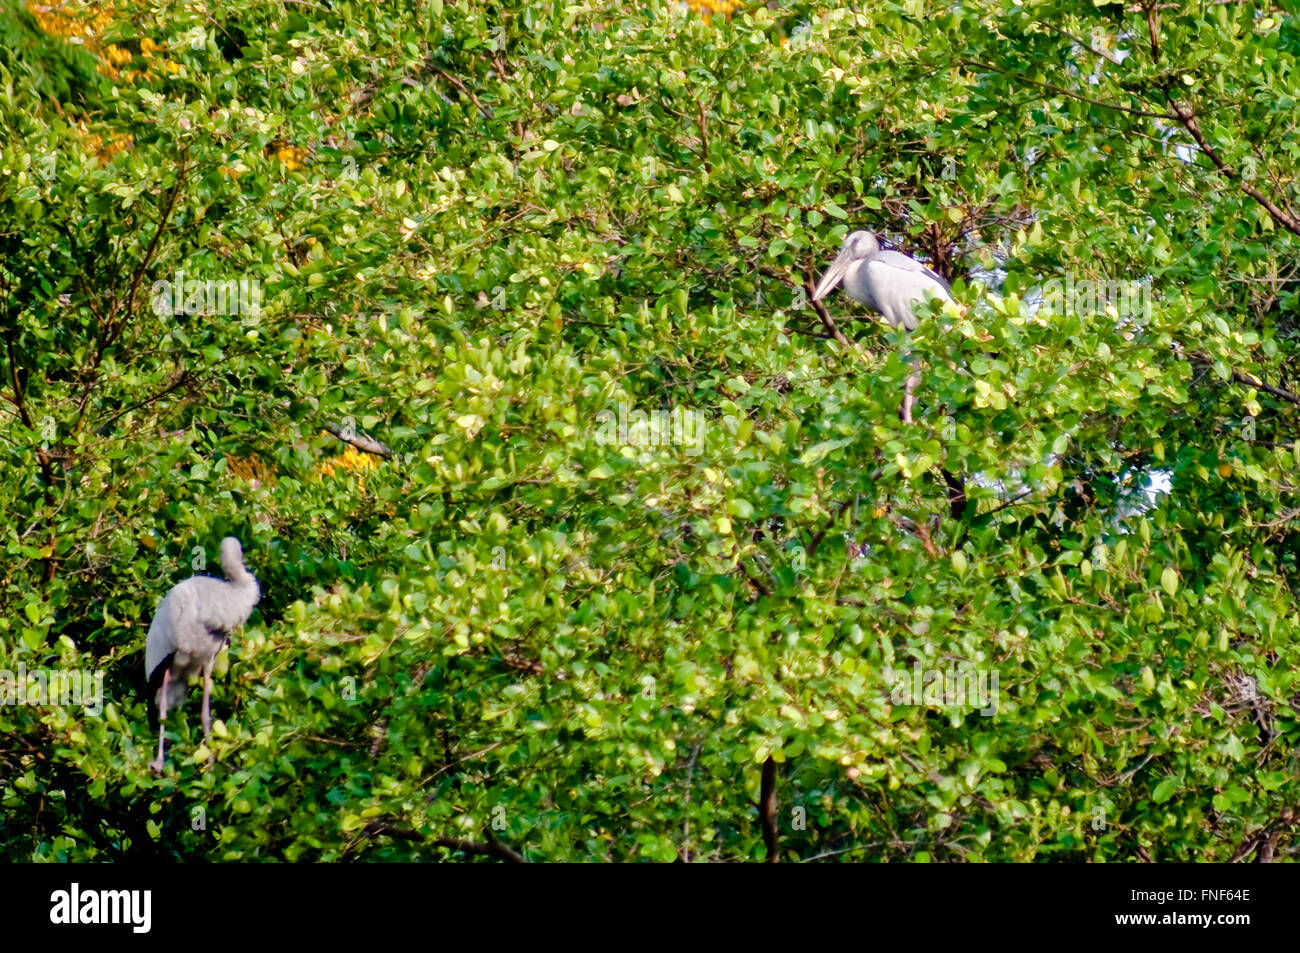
{"x":832,"y":276}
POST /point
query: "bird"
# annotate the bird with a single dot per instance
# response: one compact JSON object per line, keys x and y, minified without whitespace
{"x":887,"y":282}
{"x":192,"y":623}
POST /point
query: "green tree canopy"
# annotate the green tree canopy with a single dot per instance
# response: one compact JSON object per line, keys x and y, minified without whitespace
{"x":652,"y":558}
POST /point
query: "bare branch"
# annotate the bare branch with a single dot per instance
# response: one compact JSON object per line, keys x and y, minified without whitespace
{"x":360,"y":441}
{"x":767,"y":810}
{"x":1250,"y":380}
{"x":492,"y":848}
{"x":1188,"y":118}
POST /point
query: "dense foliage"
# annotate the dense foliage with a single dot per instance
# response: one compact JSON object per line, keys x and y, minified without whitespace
{"x":491,"y":236}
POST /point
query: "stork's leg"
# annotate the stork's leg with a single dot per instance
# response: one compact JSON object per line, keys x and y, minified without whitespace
{"x":905,"y":411}
{"x":162,"y":719}
{"x":207,"y":692}
{"x":207,"y":710}
{"x":913,"y":381}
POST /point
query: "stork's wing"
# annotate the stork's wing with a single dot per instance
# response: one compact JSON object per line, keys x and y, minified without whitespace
{"x":898,"y":260}
{"x":898,"y":283}
{"x":194,"y":614}
{"x":161,"y":641}
{"x":219,"y":606}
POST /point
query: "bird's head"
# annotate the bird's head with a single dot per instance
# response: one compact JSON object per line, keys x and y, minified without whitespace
{"x":232,"y":563}
{"x":857,"y":246}
{"x":231,"y":552}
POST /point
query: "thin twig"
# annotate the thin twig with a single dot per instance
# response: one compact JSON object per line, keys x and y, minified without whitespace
{"x":1250,"y":380}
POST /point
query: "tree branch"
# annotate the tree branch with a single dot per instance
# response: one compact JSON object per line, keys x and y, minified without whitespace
{"x":1188,"y":118}
{"x":178,"y":381}
{"x":821,"y":533}
{"x":464,"y":90}
{"x":1250,"y":380}
{"x":1264,"y":840}
{"x":492,"y":848}
{"x":152,"y":249}
{"x":1131,"y":110}
{"x":827,"y":321}
{"x":767,"y":810}
{"x":1153,"y":30}
{"x":360,"y":441}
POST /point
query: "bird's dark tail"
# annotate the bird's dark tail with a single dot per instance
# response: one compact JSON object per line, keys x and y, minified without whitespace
{"x":151,"y":690}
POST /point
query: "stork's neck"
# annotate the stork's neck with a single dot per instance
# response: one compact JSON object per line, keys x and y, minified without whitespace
{"x":237,"y":573}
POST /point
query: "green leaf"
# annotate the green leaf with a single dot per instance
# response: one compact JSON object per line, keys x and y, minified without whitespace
{"x":1169,"y":580}
{"x":1164,"y":790}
